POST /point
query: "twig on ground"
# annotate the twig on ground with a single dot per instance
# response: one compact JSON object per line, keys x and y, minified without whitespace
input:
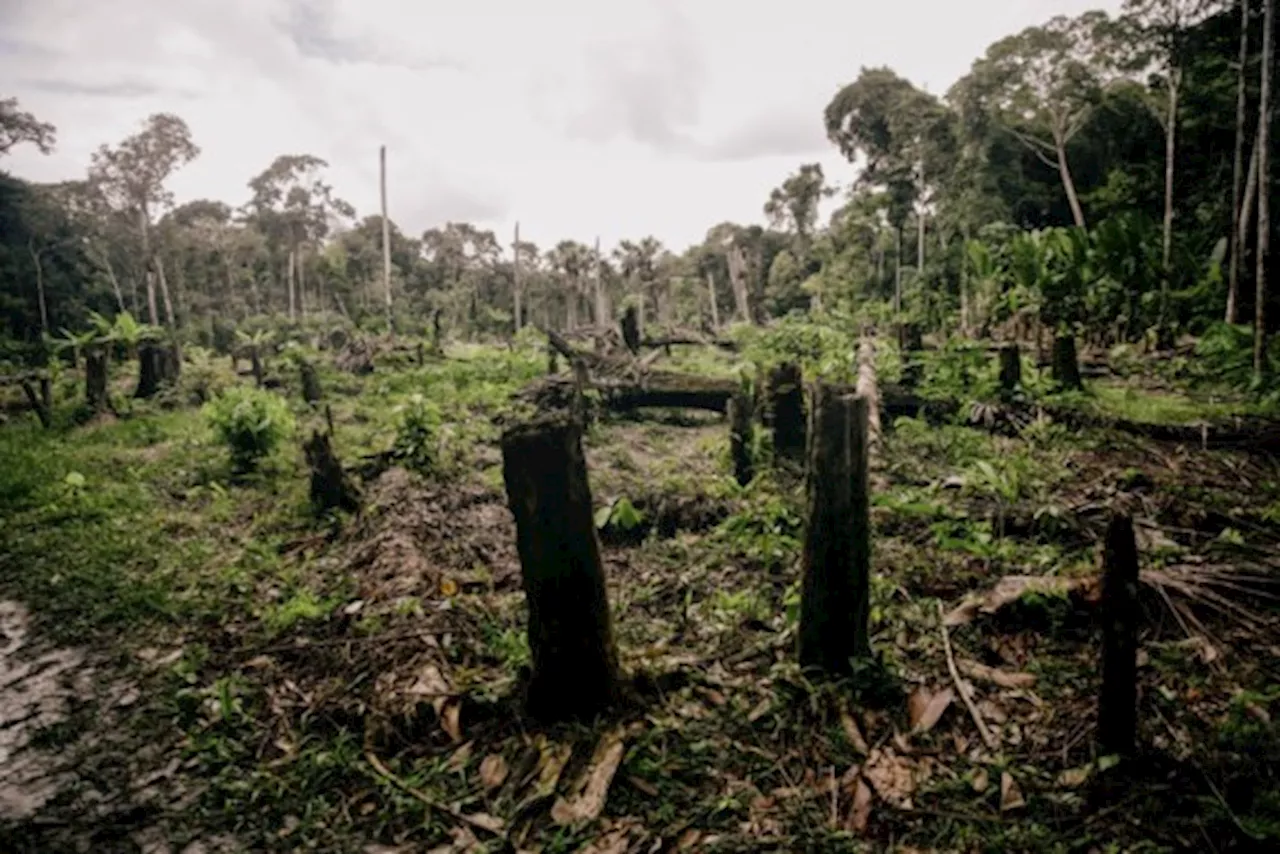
{"x":431,"y":802}
{"x":988,"y":737}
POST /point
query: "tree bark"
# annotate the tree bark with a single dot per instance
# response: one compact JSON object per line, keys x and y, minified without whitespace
{"x":40,"y":300}
{"x":515,"y":280}
{"x":1068,"y":183}
{"x":149,"y":370}
{"x":95,"y":379}
{"x":39,"y":405}
{"x":311,"y":392}
{"x":786,"y":411}
{"x":711,"y":297}
{"x":631,"y":330}
{"x":1236,"y":239}
{"x":289,"y":278}
{"x":152,"y":312}
{"x":1118,"y":697}
{"x":575,"y":662}
{"x":331,"y":488}
{"x":897,"y":275}
{"x":835,"y":601}
{"x":386,"y":236}
{"x":164,"y":293}
{"x":1010,"y":369}
{"x":1170,"y":156}
{"x":1065,"y":365}
{"x":1263,"y":249}
{"x":602,"y":301}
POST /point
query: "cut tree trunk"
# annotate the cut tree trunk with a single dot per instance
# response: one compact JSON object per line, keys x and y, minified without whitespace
{"x":835,"y":601}
{"x":1237,"y":169}
{"x":575,"y":662}
{"x":786,"y":411}
{"x":1010,"y":369}
{"x":149,"y":370}
{"x":910,"y":345}
{"x":711,"y":300}
{"x":1263,"y":247}
{"x":1065,"y":365}
{"x":1118,"y":698}
{"x":255,"y":362}
{"x":311,"y":392}
{"x":95,"y":380}
{"x":631,"y":329}
{"x":331,"y":488}
{"x":39,"y":405}
{"x":740,"y":412}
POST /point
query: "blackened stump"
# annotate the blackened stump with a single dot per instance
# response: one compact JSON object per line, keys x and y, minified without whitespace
{"x":149,"y":370}
{"x":1065,"y":365}
{"x":311,"y":392}
{"x":835,"y":600}
{"x":786,"y":411}
{"x":575,"y":663}
{"x":740,"y":438}
{"x":95,"y":380}
{"x":40,"y":404}
{"x":1118,"y":699}
{"x":1010,"y":369}
{"x":631,"y":329}
{"x":331,"y":489}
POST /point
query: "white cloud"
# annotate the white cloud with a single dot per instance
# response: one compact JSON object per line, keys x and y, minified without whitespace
{"x":574,"y":116}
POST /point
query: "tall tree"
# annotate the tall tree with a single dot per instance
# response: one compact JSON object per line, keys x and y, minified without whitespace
{"x":132,"y":177}
{"x":1236,"y":240}
{"x":1042,"y":84}
{"x":1265,"y":110}
{"x":18,"y":126}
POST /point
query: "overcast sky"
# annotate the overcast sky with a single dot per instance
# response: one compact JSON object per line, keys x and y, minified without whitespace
{"x":576,"y":117}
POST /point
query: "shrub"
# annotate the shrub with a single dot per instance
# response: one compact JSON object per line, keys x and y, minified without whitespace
{"x":251,"y":421}
{"x":415,"y":445}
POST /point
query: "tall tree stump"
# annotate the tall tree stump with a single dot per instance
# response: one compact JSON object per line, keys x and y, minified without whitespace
{"x":786,"y":411}
{"x":835,"y":601}
{"x":331,"y":489}
{"x":1064,"y":364}
{"x":1010,"y":369}
{"x":740,"y":411}
{"x":95,"y":379}
{"x":1118,"y":699}
{"x":40,"y":404}
{"x":255,"y":361}
{"x":631,"y":329}
{"x":575,"y":662}
{"x":150,"y":370}
{"x":311,"y":392}
{"x":910,"y":345}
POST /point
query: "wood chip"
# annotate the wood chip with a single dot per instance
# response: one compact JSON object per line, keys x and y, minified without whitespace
{"x":980,"y":780}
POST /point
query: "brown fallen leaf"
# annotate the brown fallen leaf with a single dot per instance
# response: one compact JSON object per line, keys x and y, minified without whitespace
{"x":860,"y":811}
{"x":851,"y":732}
{"x":450,"y":722}
{"x":491,"y":823}
{"x":1010,"y":795}
{"x":925,"y":709}
{"x":599,"y":776}
{"x":613,"y":842}
{"x":1073,"y":778}
{"x":493,"y":771}
{"x":643,"y":785}
{"x":688,"y":839}
{"x":460,"y":757}
{"x":995,"y":676}
{"x":892,"y":776}
{"x":980,"y":780}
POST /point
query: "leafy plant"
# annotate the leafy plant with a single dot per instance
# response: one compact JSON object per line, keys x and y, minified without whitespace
{"x":416,"y":436}
{"x":252,"y":422}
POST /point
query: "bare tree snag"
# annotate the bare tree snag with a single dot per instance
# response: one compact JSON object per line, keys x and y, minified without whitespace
{"x":868,"y":388}
{"x":331,"y":489}
{"x":631,"y":329}
{"x":311,"y":392}
{"x":1010,"y":369}
{"x":711,"y":299}
{"x":437,"y":337}
{"x":1118,"y":699}
{"x":255,"y":362}
{"x":386,"y":237}
{"x":95,"y":379}
{"x":1065,"y":365}
{"x":575,"y":662}
{"x":740,"y":412}
{"x":39,"y":403}
{"x":786,"y":411}
{"x":835,"y":601}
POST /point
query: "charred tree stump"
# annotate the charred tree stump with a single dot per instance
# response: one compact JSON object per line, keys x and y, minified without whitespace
{"x":740,"y":411}
{"x":95,"y":380}
{"x":46,"y":393}
{"x":835,"y":602}
{"x":1010,"y":369}
{"x":149,"y":371}
{"x":331,"y":489}
{"x":1118,"y":699}
{"x":420,"y":353}
{"x":910,"y":345}
{"x":575,"y":662}
{"x":39,"y":401}
{"x":1065,"y":364}
{"x":581,"y":382}
{"x":311,"y":392}
{"x":786,"y":411}
{"x":437,"y":339}
{"x":631,"y":329}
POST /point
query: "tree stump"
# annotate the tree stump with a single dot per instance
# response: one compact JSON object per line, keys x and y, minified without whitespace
{"x":1118,"y":699}
{"x":1010,"y":369}
{"x":95,"y":380}
{"x":39,"y":402}
{"x":255,"y":361}
{"x":437,"y":337}
{"x":575,"y":663}
{"x":1065,"y":365}
{"x":150,"y":370}
{"x":740,"y":411}
{"x":835,"y":602}
{"x":631,"y":329}
{"x":910,"y":344}
{"x":46,"y":393}
{"x":331,"y":489}
{"x":311,"y":392}
{"x":786,"y":411}
{"x":169,"y":363}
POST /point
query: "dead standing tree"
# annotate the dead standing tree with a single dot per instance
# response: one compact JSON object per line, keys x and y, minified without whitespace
{"x":786,"y":411}
{"x":1118,"y":699}
{"x":575,"y":662}
{"x":835,"y":601}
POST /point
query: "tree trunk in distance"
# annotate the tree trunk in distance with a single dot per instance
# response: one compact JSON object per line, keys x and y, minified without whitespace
{"x":631,"y":330}
{"x":386,"y":237}
{"x":44,"y":310}
{"x":740,"y":411}
{"x":331,"y":489}
{"x":835,"y":600}
{"x":1263,"y":247}
{"x":149,"y":370}
{"x":515,"y":279}
{"x":1118,"y":698}
{"x":1065,"y":365}
{"x":910,"y":345}
{"x":575,"y":663}
{"x":95,"y":379}
{"x":715,"y":309}
{"x":787,"y":412}
{"x":1237,"y":244}
{"x":255,"y":360}
{"x":153,"y":313}
{"x":1068,"y":184}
